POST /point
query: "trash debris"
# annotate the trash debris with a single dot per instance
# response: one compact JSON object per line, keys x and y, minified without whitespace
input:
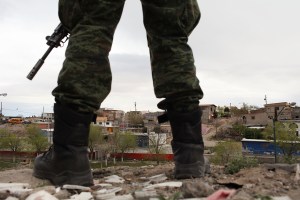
{"x":221,"y":194}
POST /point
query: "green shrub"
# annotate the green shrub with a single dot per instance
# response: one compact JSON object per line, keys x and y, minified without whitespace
{"x":224,"y":152}
{"x":240,"y":162}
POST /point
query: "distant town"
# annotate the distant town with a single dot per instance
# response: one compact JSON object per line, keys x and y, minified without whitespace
{"x":112,"y":120}
{"x":272,"y":131}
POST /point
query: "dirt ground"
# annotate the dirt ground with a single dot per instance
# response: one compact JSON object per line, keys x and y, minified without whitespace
{"x":263,"y":181}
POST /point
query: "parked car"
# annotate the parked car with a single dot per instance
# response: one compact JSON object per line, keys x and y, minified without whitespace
{"x":15,"y":120}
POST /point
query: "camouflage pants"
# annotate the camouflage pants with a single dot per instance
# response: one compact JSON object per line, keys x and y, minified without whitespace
{"x":85,"y":79}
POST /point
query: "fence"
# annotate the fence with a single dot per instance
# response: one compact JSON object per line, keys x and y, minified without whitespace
{"x":127,"y":156}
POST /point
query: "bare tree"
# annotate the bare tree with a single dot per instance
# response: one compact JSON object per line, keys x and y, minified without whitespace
{"x":156,"y":145}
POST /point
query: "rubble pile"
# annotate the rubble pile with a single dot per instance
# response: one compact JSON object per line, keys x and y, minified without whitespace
{"x":156,"y":183}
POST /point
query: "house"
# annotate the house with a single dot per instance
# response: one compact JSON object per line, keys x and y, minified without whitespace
{"x":293,"y":122}
{"x":115,"y":116}
{"x":150,"y":120}
{"x":208,"y":111}
{"x":279,"y":111}
{"x":257,"y":117}
{"x":48,"y":116}
{"x":107,"y":126}
{"x":263,"y":116}
{"x":296,"y":113}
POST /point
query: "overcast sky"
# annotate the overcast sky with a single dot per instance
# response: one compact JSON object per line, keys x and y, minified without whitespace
{"x":244,"y":50}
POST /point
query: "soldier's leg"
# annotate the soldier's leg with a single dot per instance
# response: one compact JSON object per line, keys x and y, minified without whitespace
{"x":83,"y":83}
{"x":168,"y":24}
{"x":85,"y":79}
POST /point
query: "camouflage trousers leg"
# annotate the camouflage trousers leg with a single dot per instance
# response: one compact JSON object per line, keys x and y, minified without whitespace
{"x":168,"y":24}
{"x":85,"y":78}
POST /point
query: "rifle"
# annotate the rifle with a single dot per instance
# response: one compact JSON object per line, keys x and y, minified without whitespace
{"x":55,"y":40}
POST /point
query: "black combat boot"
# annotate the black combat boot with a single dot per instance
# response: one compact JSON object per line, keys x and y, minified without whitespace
{"x":66,"y":162}
{"x":187,"y":144}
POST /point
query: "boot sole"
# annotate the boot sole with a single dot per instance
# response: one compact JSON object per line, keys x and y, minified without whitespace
{"x":66,"y":177}
{"x":187,"y":171}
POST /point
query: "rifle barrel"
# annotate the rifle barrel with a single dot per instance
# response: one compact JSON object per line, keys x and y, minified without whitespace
{"x":39,"y":64}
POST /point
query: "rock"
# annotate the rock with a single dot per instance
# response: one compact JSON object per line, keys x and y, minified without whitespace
{"x":286,"y":167}
{"x":76,"y":187}
{"x":8,"y":186}
{"x":196,"y":189}
{"x":297,"y":177}
{"x":165,"y":184}
{"x":49,"y":188}
{"x":41,"y":195}
{"x":15,"y":189}
{"x":123,"y":197}
{"x":158,"y":178}
{"x":11,"y":198}
{"x":107,"y":193}
{"x":207,"y":165}
{"x":22,"y":176}
{"x":114,"y":179}
{"x":241,"y":195}
{"x":281,"y":198}
{"x":83,"y":196}
{"x":62,"y":194}
{"x":145,"y":194}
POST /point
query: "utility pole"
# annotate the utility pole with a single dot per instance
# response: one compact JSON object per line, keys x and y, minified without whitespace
{"x":266,"y":99}
{"x":2,"y":94}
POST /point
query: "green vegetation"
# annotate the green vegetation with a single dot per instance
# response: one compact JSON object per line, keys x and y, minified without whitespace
{"x":237,"y":132}
{"x":230,"y":155}
{"x":126,"y":141}
{"x":96,"y":137}
{"x":4,"y":165}
{"x":36,"y":139}
{"x":240,"y":162}
{"x":224,"y":152}
{"x":286,"y":139}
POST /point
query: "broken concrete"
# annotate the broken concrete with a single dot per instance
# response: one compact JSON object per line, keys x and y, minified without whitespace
{"x":155,"y":182}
